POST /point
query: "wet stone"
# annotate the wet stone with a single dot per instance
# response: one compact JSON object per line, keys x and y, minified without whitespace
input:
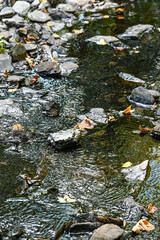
{"x":7,"y":12}
{"x":107,"y":232}
{"x":38,"y":16}
{"x":48,"y":68}
{"x":5,"y":63}
{"x":18,"y":52}
{"x":15,"y":78}
{"x":57,"y":25}
{"x":135,"y":32}
{"x":137,"y":172}
{"x":130,"y":78}
{"x":5,"y":35}
{"x":84,"y":227}
{"x":67,"y":7}
{"x":97,"y":115}
{"x":65,"y":138}
{"x":142,"y":95}
{"x":8,"y":107}
{"x":67,"y":68}
{"x":108,"y":39}
{"x":21,"y":7}
{"x":30,"y":46}
{"x":52,"y":108}
{"x":156,"y":130}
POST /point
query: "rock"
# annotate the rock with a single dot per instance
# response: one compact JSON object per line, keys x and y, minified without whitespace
{"x":133,"y":211}
{"x":97,"y":115}
{"x":30,"y":47}
{"x":137,"y":172}
{"x":130,"y":78}
{"x":156,"y":131}
{"x":67,"y":68}
{"x":47,"y":54}
{"x":106,"y":5}
{"x":77,"y":2}
{"x":142,"y":95}
{"x":5,"y":35}
{"x":67,"y":7}
{"x":136,"y":31}
{"x":67,"y":36}
{"x":48,"y":68}
{"x":8,"y":107}
{"x":38,"y":16}
{"x":57,"y":25}
{"x":7,"y":12}
{"x":65,"y":138}
{"x":108,"y":39}
{"x":5,"y":63}
{"x":107,"y":232}
{"x":84,"y":227}
{"x":52,"y":108}
{"x":18,"y":52}
{"x":15,"y":21}
{"x":158,"y":113}
{"x":35,"y":3}
{"x":30,"y":93}
{"x":155,"y":94}
{"x":21,"y":7}
{"x":15,"y":78}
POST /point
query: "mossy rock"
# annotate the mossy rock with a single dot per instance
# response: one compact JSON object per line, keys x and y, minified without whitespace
{"x":18,"y":52}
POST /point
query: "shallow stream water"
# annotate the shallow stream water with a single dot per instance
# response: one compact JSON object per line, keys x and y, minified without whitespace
{"x":90,"y":173}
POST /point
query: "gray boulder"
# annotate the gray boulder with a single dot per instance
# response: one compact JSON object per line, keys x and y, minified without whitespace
{"x":48,"y":68}
{"x":15,"y":21}
{"x":21,"y":7}
{"x":130,"y":78}
{"x":156,"y":132}
{"x":137,"y":172}
{"x":5,"y":63}
{"x":38,"y":16}
{"x":8,"y":107}
{"x":7,"y":12}
{"x":57,"y":25}
{"x":136,"y":31}
{"x":96,"y":115}
{"x":142,"y":95}
{"x":65,"y":138}
{"x":107,"y":232}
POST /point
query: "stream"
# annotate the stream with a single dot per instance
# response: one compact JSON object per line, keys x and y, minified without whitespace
{"x":91,"y":172}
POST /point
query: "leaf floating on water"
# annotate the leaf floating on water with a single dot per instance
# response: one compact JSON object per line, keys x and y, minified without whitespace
{"x":78,"y":31}
{"x":120,"y":10}
{"x":127,"y":111}
{"x":17,"y":127}
{"x":66,"y":199}
{"x":143,"y":225}
{"x":127,"y":164}
{"x":6,"y":74}
{"x":106,"y":16}
{"x":102,"y":41}
{"x":120,"y":17}
{"x":152,"y":209}
{"x":144,"y":130}
{"x":86,"y":123}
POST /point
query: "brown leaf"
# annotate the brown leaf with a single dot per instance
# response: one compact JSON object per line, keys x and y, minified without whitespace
{"x":6,"y":74}
{"x":56,"y":36}
{"x":86,"y":123}
{"x":152,"y":209}
{"x":120,"y":10}
{"x":43,"y":43}
{"x":127,"y":111}
{"x":32,"y":37}
{"x":144,"y":130}
{"x":120,"y":17}
{"x":27,"y":41}
{"x":143,"y":225}
{"x":119,"y":48}
{"x":17,"y":127}
{"x":54,"y":60}
{"x":45,"y":10}
{"x":30,"y":62}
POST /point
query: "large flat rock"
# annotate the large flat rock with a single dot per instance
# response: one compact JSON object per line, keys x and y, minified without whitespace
{"x":21,"y":7}
{"x":38,"y":16}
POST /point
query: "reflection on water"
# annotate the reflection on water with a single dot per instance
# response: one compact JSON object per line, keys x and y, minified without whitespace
{"x":90,"y":173}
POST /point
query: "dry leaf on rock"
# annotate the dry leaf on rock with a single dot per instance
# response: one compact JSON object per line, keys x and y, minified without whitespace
{"x":111,"y":119}
{"x":43,"y":43}
{"x":56,"y":36}
{"x":49,"y":25}
{"x":27,"y":41}
{"x":34,"y":79}
{"x":144,"y":130}
{"x":80,"y":31}
{"x":86,"y":123}
{"x":32,"y":37}
{"x":6,"y":74}
{"x":30,"y":62}
{"x":11,"y":90}
{"x":54,"y":60}
{"x":127,"y":164}
{"x":66,"y":199}
{"x":120,"y":17}
{"x":152,"y":209}
{"x":102,"y":41}
{"x":143,"y":225}
{"x":17,"y":127}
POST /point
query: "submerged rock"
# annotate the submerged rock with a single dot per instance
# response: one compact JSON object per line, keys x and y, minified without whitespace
{"x":67,"y":68}
{"x":130,"y":78}
{"x":5,"y":63}
{"x":137,"y":172}
{"x":8,"y":107}
{"x":65,"y":138}
{"x":48,"y":68}
{"x":84,"y":227}
{"x":107,"y":232}
{"x":52,"y":108}
{"x":136,"y":31}
{"x":18,"y":52}
{"x":21,"y":7}
{"x":156,"y":132}
{"x":108,"y":39}
{"x":142,"y":95}
{"x":38,"y":16}
{"x":97,"y":115}
{"x":133,"y":211}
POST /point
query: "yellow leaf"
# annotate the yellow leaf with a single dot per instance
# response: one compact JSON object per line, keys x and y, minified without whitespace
{"x":76,"y":31}
{"x":12,"y":90}
{"x":49,"y":25}
{"x":17,"y":127}
{"x":102,"y":42}
{"x":30,"y":62}
{"x":66,"y":199}
{"x":54,"y":59}
{"x":106,"y":16}
{"x":56,"y":36}
{"x":127,"y":164}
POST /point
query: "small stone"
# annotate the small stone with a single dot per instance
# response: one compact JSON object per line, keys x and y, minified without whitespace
{"x":52,"y":108}
{"x":7,"y":12}
{"x":5,"y":35}
{"x":107,"y":232}
{"x":48,"y":68}
{"x":23,"y":31}
{"x":130,"y":78}
{"x":18,"y":52}
{"x":21,"y":7}
{"x":156,"y":132}
{"x":5,"y":63}
{"x":38,"y":16}
{"x":15,"y":21}
{"x":57,"y":25}
{"x":142,"y":95}
{"x":15,"y":78}
{"x":30,"y":47}
{"x":66,"y":7}
{"x":68,"y":67}
{"x":96,"y":115}
{"x":108,"y":39}
{"x":8,"y":107}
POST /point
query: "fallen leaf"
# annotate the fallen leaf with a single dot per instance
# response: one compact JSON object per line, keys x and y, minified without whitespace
{"x":144,"y":130}
{"x":45,"y":10}
{"x":17,"y":127}
{"x":120,"y":17}
{"x":76,"y":31}
{"x":56,"y":36}
{"x":143,"y":225}
{"x":86,"y":123}
{"x":12,"y":90}
{"x":30,"y":62}
{"x":43,"y":43}
{"x":55,"y":60}
{"x":106,"y":16}
{"x":127,"y":164}
{"x":119,"y":48}
{"x":49,"y":25}
{"x":152,"y":209}
{"x":120,"y":10}
{"x":102,"y":41}
{"x":66,"y":199}
{"x":111,"y":119}
{"x":27,"y":41}
{"x":6,"y":74}
{"x":32,"y":37}
{"x":158,"y":29}
{"x":127,"y":111}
